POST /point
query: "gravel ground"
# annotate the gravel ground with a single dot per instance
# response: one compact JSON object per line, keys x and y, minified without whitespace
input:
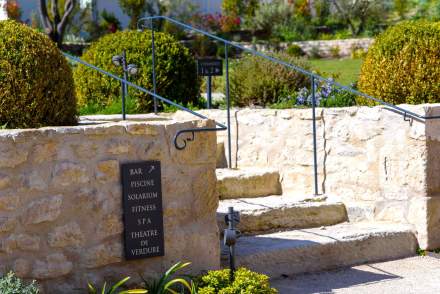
{"x":418,"y":274}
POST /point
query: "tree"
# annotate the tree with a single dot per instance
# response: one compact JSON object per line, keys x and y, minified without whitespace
{"x":357,"y":13}
{"x":137,"y":8}
{"x":54,"y":23}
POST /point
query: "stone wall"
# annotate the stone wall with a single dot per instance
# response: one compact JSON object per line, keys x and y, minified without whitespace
{"x":380,"y":166}
{"x":61,"y":201}
{"x":322,"y":47}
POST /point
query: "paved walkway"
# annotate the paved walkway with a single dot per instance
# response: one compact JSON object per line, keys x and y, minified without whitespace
{"x":415,"y":275}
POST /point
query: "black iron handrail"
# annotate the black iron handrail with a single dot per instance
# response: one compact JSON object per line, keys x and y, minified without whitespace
{"x":192,"y":131}
{"x":148,"y":22}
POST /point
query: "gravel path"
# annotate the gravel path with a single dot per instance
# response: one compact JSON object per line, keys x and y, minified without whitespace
{"x":418,"y":275}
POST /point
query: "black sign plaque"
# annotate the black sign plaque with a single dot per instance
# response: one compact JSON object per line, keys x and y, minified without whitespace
{"x":210,"y":67}
{"x":143,"y":215}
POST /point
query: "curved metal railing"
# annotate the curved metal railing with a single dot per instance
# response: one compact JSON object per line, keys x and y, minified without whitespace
{"x":179,"y":143}
{"x":397,"y":109}
{"x":148,"y":23}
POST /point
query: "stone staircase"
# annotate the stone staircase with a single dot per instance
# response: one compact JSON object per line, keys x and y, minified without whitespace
{"x":284,"y":235}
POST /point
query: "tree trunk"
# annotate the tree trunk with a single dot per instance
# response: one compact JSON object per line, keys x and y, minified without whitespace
{"x":55,"y":25}
{"x":312,"y":8}
{"x":346,"y":18}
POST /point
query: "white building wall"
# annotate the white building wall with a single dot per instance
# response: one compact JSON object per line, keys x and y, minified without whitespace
{"x":209,"y":6}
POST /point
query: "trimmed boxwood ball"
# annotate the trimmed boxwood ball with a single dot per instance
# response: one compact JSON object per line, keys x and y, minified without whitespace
{"x":36,"y":84}
{"x":403,"y":65}
{"x":176,"y":72}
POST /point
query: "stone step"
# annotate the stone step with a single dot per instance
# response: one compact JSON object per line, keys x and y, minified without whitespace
{"x":312,"y":250}
{"x":247,"y":183}
{"x":282,"y":212}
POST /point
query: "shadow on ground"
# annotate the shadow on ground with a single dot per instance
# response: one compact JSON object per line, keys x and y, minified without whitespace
{"x":326,"y":282}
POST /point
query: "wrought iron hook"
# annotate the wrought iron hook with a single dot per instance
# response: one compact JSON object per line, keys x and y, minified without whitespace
{"x":184,"y":141}
{"x":192,"y":137}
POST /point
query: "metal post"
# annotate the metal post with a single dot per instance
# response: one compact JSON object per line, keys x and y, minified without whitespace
{"x":231,"y":263}
{"x":153,"y":55}
{"x":209,"y":92}
{"x":228,"y":108}
{"x":124,"y":85}
{"x":232,"y":219}
{"x":315,"y":155}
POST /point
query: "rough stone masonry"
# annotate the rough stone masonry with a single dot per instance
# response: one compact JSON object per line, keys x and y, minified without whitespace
{"x":61,"y":201}
{"x":379,"y":165}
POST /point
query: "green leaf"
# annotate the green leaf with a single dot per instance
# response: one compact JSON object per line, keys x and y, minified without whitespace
{"x":134,"y":291}
{"x":92,"y":289}
{"x":118,"y":284}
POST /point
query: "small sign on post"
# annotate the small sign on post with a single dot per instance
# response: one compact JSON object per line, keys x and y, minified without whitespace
{"x":209,"y":68}
{"x":143,"y":214}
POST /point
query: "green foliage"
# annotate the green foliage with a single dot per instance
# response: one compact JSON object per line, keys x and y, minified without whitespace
{"x":428,"y":9}
{"x":361,"y":15}
{"x":10,"y":284}
{"x":114,"y":108}
{"x":295,"y":51}
{"x":246,"y":282}
{"x":166,"y":283}
{"x":403,"y":65}
{"x":175,"y":70}
{"x":358,"y":52}
{"x":421,"y":252}
{"x":202,"y":46}
{"x":114,"y":289}
{"x":257,"y":81}
{"x":335,"y":51}
{"x":239,"y":8}
{"x":269,"y":16}
{"x":136,"y":9}
{"x":36,"y":84}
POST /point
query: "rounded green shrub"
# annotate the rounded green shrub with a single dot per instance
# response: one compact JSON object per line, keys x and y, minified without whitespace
{"x":36,"y":84}
{"x":246,"y":282}
{"x":176,"y":72}
{"x":257,"y":81}
{"x":295,"y":51}
{"x":403,"y":65}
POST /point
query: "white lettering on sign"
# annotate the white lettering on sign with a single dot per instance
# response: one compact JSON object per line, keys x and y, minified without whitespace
{"x":146,"y":250}
{"x":135,"y":171}
{"x":144,"y":234}
{"x":143,"y":183}
{"x":142,"y":196}
{"x":144,"y":221}
{"x":143,"y":208}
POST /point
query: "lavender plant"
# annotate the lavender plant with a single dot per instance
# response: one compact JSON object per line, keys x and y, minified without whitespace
{"x":326,"y":95}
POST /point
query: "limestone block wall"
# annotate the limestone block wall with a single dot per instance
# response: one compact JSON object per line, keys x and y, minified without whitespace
{"x":382,"y":167}
{"x":323,"y":47}
{"x":61,"y":201}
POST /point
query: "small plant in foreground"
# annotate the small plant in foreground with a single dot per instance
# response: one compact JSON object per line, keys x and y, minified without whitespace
{"x":166,"y":283}
{"x":10,"y":284}
{"x":114,"y":288}
{"x":245,"y":282}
